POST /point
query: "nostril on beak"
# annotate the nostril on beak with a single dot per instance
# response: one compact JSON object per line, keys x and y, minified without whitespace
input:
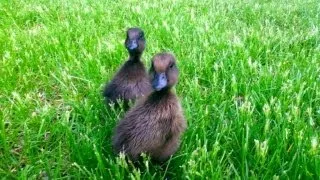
{"x":132,"y":45}
{"x":159,"y":81}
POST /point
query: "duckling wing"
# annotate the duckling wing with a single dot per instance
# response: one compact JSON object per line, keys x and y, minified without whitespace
{"x":178,"y":124}
{"x":129,"y":83}
{"x":140,"y":131}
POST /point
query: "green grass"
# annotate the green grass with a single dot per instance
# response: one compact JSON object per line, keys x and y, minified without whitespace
{"x":249,"y":85}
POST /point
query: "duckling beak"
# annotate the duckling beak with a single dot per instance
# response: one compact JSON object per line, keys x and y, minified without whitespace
{"x":159,"y":81}
{"x":132,"y":45}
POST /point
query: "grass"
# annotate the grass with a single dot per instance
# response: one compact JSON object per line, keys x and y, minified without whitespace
{"x":249,"y":85}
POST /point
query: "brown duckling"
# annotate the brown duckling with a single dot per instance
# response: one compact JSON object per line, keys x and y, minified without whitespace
{"x":154,"y":125}
{"x":131,"y":81}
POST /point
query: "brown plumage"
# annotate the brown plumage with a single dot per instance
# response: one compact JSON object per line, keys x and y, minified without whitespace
{"x":154,"y":125}
{"x":131,"y":81}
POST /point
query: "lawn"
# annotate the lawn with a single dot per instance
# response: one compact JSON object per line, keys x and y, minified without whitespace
{"x":249,"y":85}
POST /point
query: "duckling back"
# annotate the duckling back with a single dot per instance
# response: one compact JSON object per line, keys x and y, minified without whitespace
{"x":129,"y":83}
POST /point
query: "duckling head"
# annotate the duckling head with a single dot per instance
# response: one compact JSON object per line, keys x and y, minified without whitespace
{"x":164,"y":72}
{"x":135,"y":41}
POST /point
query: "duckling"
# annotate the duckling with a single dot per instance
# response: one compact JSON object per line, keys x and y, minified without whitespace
{"x":131,"y":81}
{"x":154,"y":125}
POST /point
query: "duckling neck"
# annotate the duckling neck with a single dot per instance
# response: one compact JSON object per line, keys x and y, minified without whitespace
{"x":162,"y":92}
{"x":135,"y":57}
{"x":160,"y":97}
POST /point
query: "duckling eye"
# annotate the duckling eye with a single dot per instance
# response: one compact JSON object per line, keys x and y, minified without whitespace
{"x":171,"y":66}
{"x":141,"y":36}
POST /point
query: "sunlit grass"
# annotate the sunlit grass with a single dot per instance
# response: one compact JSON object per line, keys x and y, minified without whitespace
{"x":249,"y":85}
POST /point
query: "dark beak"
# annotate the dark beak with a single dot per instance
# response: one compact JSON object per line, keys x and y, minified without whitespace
{"x":132,"y":45}
{"x":159,"y":81}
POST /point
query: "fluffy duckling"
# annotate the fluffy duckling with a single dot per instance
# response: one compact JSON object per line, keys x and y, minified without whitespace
{"x":131,"y":81}
{"x":154,"y":125}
